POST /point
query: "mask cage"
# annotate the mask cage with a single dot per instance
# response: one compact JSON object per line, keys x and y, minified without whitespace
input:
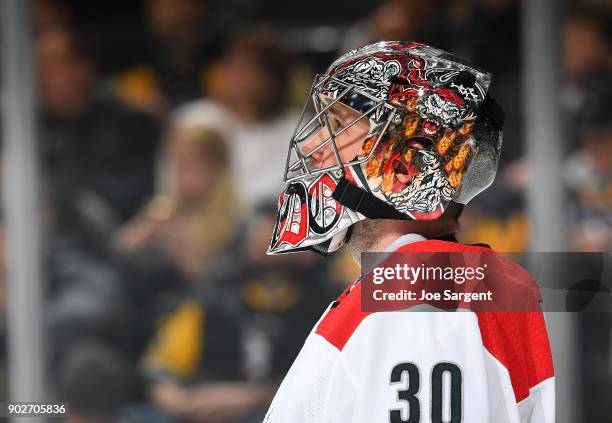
{"x":315,"y":117}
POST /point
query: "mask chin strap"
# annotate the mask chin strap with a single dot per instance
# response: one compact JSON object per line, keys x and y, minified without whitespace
{"x":322,"y":248}
{"x":332,"y":244}
{"x":366,"y":203}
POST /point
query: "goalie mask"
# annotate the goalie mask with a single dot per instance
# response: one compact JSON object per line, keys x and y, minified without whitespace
{"x":392,"y":130}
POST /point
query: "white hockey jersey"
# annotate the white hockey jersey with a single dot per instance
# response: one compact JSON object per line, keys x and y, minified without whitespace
{"x":410,"y":367}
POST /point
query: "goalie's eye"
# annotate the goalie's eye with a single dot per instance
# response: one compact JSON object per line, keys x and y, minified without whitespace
{"x":335,"y":123}
{"x":339,"y":123}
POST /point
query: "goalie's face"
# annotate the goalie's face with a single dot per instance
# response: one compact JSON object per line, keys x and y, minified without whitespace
{"x":349,"y":129}
{"x":331,"y":130}
{"x":327,"y":141}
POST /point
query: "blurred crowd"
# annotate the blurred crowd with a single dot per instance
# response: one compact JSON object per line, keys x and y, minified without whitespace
{"x":163,"y":139}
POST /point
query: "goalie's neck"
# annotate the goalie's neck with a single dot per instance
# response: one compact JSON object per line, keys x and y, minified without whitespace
{"x":393,"y":230}
{"x":391,"y":234}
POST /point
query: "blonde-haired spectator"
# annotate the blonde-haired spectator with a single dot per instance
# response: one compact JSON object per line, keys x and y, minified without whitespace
{"x":196,"y":218}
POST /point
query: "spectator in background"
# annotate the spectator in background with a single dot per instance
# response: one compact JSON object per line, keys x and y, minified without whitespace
{"x":408,"y":20}
{"x":85,"y":311}
{"x":278,"y":296}
{"x":489,"y":34}
{"x":587,"y":44}
{"x":49,"y":13}
{"x":194,"y":222}
{"x":250,"y":105}
{"x":219,"y":356}
{"x":181,"y":44}
{"x":585,"y":99}
{"x":587,"y":62}
{"x":586,"y":55}
{"x":589,"y":175}
{"x":91,"y":143}
{"x":177,"y":235}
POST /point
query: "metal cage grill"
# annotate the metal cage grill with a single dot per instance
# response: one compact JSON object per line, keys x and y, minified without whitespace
{"x":315,"y":118}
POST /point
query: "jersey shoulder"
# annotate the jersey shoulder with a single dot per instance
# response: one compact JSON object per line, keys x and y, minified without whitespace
{"x":519,"y":342}
{"x":345,"y":314}
{"x":506,"y":277}
{"x":343,"y":317}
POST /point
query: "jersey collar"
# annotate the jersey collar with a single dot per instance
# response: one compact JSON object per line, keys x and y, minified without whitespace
{"x":404,"y":240}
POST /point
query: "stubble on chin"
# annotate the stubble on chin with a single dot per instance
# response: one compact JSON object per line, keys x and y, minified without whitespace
{"x":363,"y":238}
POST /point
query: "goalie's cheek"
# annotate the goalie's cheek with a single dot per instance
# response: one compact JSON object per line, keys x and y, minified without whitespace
{"x":350,"y":143}
{"x":348,"y":146}
{"x":313,"y":144}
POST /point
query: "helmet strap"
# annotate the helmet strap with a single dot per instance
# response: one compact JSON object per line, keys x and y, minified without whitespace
{"x":366,"y":203}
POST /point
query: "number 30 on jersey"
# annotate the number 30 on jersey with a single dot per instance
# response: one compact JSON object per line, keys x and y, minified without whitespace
{"x":446,"y":391}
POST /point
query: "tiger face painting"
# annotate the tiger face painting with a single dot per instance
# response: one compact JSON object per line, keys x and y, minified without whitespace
{"x":418,"y":173}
